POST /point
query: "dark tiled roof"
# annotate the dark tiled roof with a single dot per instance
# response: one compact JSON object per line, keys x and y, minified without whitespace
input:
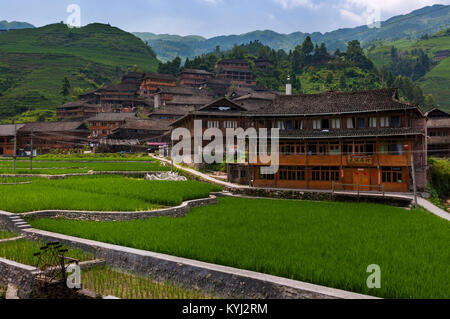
{"x":257,"y":96}
{"x":53,"y":127}
{"x":335,"y":103}
{"x":148,"y":125}
{"x":173,"y":110}
{"x":369,"y":132}
{"x":112,"y":117}
{"x":233,"y":61}
{"x":183,"y":90}
{"x":8,"y":129}
{"x":76,"y":104}
{"x":195,"y":71}
{"x":190,"y":100}
{"x":151,"y":75}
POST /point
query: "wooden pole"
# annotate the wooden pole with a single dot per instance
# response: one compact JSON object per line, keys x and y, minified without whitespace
{"x":414,"y":179}
{"x":15,"y":148}
{"x":31,"y":152}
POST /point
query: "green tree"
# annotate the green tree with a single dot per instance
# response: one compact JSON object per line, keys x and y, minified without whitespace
{"x":65,"y":89}
{"x":342,"y":82}
{"x":430,"y":101}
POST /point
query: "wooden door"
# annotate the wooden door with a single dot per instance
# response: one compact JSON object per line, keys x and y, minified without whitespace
{"x":361,"y":177}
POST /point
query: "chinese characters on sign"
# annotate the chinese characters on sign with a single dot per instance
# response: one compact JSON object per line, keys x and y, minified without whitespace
{"x":358,"y":160}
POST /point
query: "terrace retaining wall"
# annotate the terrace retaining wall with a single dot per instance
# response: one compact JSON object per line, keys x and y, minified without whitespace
{"x":178,"y":211}
{"x":19,"y":275}
{"x":223,"y":281}
{"x":136,"y":174}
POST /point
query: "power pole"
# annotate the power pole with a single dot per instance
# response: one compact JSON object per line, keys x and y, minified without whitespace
{"x":171,"y":150}
{"x":414,"y":179}
{"x":15,"y":147}
{"x":31,"y":152}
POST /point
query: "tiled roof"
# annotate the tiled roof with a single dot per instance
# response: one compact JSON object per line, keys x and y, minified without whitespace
{"x":151,"y":75}
{"x":196,"y":71}
{"x":8,"y":129}
{"x":173,"y":110}
{"x":149,"y":125}
{"x":112,"y":117}
{"x":53,"y":126}
{"x":183,"y":90}
{"x":335,"y":103}
{"x":76,"y":104}
{"x":233,"y":61}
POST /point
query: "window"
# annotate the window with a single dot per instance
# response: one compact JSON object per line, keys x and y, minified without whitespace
{"x":300,"y":149}
{"x":336,"y":123}
{"x":213,"y":124}
{"x":298,"y":124}
{"x":230,"y":124}
{"x":391,"y":148}
{"x":334,"y":149}
{"x":361,"y":122}
{"x":287,"y":149}
{"x":280,"y":125}
{"x":292,"y":173}
{"x":323,"y":148}
{"x":350,"y":122}
{"x":325,"y":174}
{"x":317,"y":124}
{"x":267,"y":177}
{"x":312,"y":149}
{"x":384,"y":121}
{"x":395,"y":121}
{"x":392,"y":175}
{"x":373,"y":122}
{"x":325,"y":124}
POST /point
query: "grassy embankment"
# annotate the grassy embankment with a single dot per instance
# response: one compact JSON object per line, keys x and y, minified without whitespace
{"x":99,"y":193}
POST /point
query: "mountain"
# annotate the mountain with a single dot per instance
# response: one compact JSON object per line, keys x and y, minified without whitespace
{"x":413,"y":25}
{"x":436,"y":81}
{"x":14,"y":25}
{"x":34,"y":62}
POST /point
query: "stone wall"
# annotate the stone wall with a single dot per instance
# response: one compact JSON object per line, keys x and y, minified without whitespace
{"x":178,"y":211}
{"x":19,"y":275}
{"x":323,"y":196}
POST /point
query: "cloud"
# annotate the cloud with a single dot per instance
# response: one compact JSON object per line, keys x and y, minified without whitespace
{"x":287,"y":4}
{"x":390,"y":6}
{"x":212,"y":1}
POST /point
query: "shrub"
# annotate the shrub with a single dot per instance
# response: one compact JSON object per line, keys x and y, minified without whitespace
{"x":440,"y":176}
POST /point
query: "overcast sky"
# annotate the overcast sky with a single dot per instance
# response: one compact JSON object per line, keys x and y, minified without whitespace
{"x":213,"y":17}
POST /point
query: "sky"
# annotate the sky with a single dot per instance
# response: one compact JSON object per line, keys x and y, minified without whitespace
{"x":210,"y":18}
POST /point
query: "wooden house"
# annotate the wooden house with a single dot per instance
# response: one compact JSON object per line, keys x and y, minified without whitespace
{"x":438,"y":123}
{"x":356,"y":140}
{"x":7,"y":133}
{"x":193,"y":77}
{"x":104,"y":124}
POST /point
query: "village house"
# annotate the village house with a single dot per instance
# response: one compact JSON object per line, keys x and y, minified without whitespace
{"x":355,"y":140}
{"x":438,"y":123}
{"x":48,"y":136}
{"x":152,"y":81}
{"x":237,"y":71}
{"x":262,"y":63}
{"x":77,"y":111}
{"x":7,"y":133}
{"x":193,"y":77}
{"x":104,"y":124}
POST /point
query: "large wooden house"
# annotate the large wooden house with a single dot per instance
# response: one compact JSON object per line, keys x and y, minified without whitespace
{"x":44,"y":137}
{"x":152,"y":81}
{"x":357,"y":140}
{"x":236,"y":70}
{"x":7,"y":133}
{"x":438,"y":123}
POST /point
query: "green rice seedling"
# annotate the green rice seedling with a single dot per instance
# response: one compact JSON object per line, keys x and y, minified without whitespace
{"x":6,"y":234}
{"x":324,"y":243}
{"x":106,"y":281}
{"x":22,"y":251}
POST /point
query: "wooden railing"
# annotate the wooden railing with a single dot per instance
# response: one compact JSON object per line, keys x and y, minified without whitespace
{"x":380,"y":188}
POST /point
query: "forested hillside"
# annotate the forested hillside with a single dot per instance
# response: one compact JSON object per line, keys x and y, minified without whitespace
{"x":34,"y":63}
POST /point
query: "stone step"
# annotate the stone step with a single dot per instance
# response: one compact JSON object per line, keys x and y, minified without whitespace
{"x":24,"y":226}
{"x":21,"y":223}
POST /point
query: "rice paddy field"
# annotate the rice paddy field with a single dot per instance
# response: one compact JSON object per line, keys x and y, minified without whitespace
{"x":22,"y":251}
{"x":325,"y":243}
{"x":6,"y":234}
{"x":67,"y":166}
{"x":106,"y":281}
{"x":99,"y":193}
